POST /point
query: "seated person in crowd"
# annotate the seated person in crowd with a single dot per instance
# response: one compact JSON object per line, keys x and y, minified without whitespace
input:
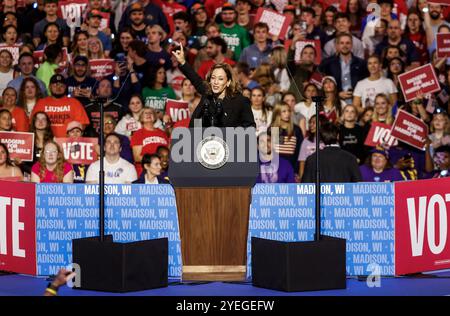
{"x":117,"y":169}
{"x":151,"y":163}
{"x":51,"y":167}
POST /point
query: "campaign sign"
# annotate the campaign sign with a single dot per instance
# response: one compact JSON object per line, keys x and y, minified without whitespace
{"x":422,"y":239}
{"x":410,"y":129}
{"x":279,"y":4}
{"x":71,"y":11}
{"x":18,"y":227}
{"x":380,"y":134}
{"x":132,"y":212}
{"x":362,"y":213}
{"x":20,"y":145}
{"x":419,"y":80}
{"x":79,"y":150}
{"x":441,"y":2}
{"x":38,"y":56}
{"x":101,"y":68}
{"x":14,"y":50}
{"x":443,"y":45}
{"x":177,"y":110}
{"x":278,"y":23}
{"x":300,"y":45}
{"x":104,"y":24}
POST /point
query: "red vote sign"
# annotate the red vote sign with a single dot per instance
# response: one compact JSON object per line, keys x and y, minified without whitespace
{"x":20,"y":145}
{"x":419,"y":80}
{"x":410,"y":129}
{"x":278,"y":23}
{"x":177,"y":110}
{"x":443,"y":45}
{"x":422,"y":239}
{"x":18,"y":227}
{"x":71,"y":11}
{"x":380,"y":133}
{"x":79,"y":150}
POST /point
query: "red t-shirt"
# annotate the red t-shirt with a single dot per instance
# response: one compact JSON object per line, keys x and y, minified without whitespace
{"x":169,"y":9}
{"x":207,"y":65}
{"x":149,"y":140}
{"x":20,"y":121}
{"x":61,"y":111}
{"x":50,"y":176}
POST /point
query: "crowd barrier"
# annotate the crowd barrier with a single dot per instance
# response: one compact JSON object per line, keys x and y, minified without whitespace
{"x":391,"y":229}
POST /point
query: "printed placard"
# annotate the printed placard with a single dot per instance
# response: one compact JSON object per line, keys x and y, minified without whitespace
{"x":300,"y":45}
{"x":278,"y":23}
{"x":71,"y":11}
{"x":79,"y":150}
{"x":419,"y":80}
{"x":20,"y":145}
{"x":443,"y":45}
{"x":380,"y":134}
{"x":18,"y":227}
{"x":177,"y":110}
{"x":410,"y":129}
{"x":101,"y":68}
{"x":422,"y":239}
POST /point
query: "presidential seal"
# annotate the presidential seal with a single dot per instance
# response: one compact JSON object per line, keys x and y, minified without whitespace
{"x":213,"y":152}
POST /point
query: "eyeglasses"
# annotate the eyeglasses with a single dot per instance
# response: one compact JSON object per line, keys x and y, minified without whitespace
{"x":49,"y":152}
{"x":109,"y":122}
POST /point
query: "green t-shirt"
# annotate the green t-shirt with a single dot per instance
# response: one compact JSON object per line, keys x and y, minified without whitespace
{"x":45,"y":73}
{"x":156,"y":99}
{"x":237,"y":39}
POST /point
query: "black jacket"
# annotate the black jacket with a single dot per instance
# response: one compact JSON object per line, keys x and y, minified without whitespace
{"x":141,"y":179}
{"x":336,"y":165}
{"x":332,"y":67}
{"x":237,"y":110}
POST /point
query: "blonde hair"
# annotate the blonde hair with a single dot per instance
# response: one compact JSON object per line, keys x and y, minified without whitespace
{"x":447,"y":123}
{"x":389,"y":118}
{"x":100,"y":52}
{"x":279,"y":57}
{"x":276,"y":118}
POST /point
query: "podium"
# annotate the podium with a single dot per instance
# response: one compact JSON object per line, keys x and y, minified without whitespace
{"x":213,"y":171}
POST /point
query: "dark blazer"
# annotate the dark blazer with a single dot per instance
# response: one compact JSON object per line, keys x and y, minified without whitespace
{"x":237,"y":109}
{"x":336,"y":165}
{"x":161,"y":180}
{"x":331,"y":66}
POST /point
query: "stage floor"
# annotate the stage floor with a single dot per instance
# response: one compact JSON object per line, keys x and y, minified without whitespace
{"x":21,"y":285}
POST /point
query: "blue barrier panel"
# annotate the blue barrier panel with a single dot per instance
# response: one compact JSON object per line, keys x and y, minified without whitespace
{"x":362,"y":213}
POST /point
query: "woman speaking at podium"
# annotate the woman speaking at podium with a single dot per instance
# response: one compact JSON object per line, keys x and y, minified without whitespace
{"x":222,"y":103}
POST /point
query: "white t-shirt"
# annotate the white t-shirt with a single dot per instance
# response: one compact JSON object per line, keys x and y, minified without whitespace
{"x":5,"y":78}
{"x":118,"y":173}
{"x":262,"y":124}
{"x":367,"y":90}
{"x":306,"y":111}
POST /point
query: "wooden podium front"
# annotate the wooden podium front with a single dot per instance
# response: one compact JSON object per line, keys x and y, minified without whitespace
{"x":213,"y":203}
{"x":213,"y":225}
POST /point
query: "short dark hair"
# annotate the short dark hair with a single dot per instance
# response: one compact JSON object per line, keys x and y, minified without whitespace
{"x":52,"y":52}
{"x":443,"y":149}
{"x":220,"y":42}
{"x":243,"y":67}
{"x":260,"y":25}
{"x":147,"y":158}
{"x":341,"y":15}
{"x":113,"y":134}
{"x":329,"y":133}
{"x":26,"y":54}
{"x":181,"y":16}
{"x":309,"y":10}
{"x":139,"y":47}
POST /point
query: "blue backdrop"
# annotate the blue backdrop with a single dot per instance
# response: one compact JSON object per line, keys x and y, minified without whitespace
{"x":362,"y":213}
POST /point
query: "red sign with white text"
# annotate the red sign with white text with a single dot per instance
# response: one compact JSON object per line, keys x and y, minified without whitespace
{"x":380,"y":134}
{"x":422,"y":239}
{"x":410,"y":129}
{"x":443,"y":45}
{"x":278,"y":23}
{"x":177,"y":110}
{"x":300,"y":45}
{"x":72,"y":11}
{"x":441,"y":2}
{"x":20,"y":145}
{"x":79,"y":150}
{"x":101,"y":68}
{"x":419,"y":80}
{"x":18,"y":227}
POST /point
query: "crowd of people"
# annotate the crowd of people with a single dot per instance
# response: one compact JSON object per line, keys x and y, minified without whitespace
{"x":334,"y":49}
